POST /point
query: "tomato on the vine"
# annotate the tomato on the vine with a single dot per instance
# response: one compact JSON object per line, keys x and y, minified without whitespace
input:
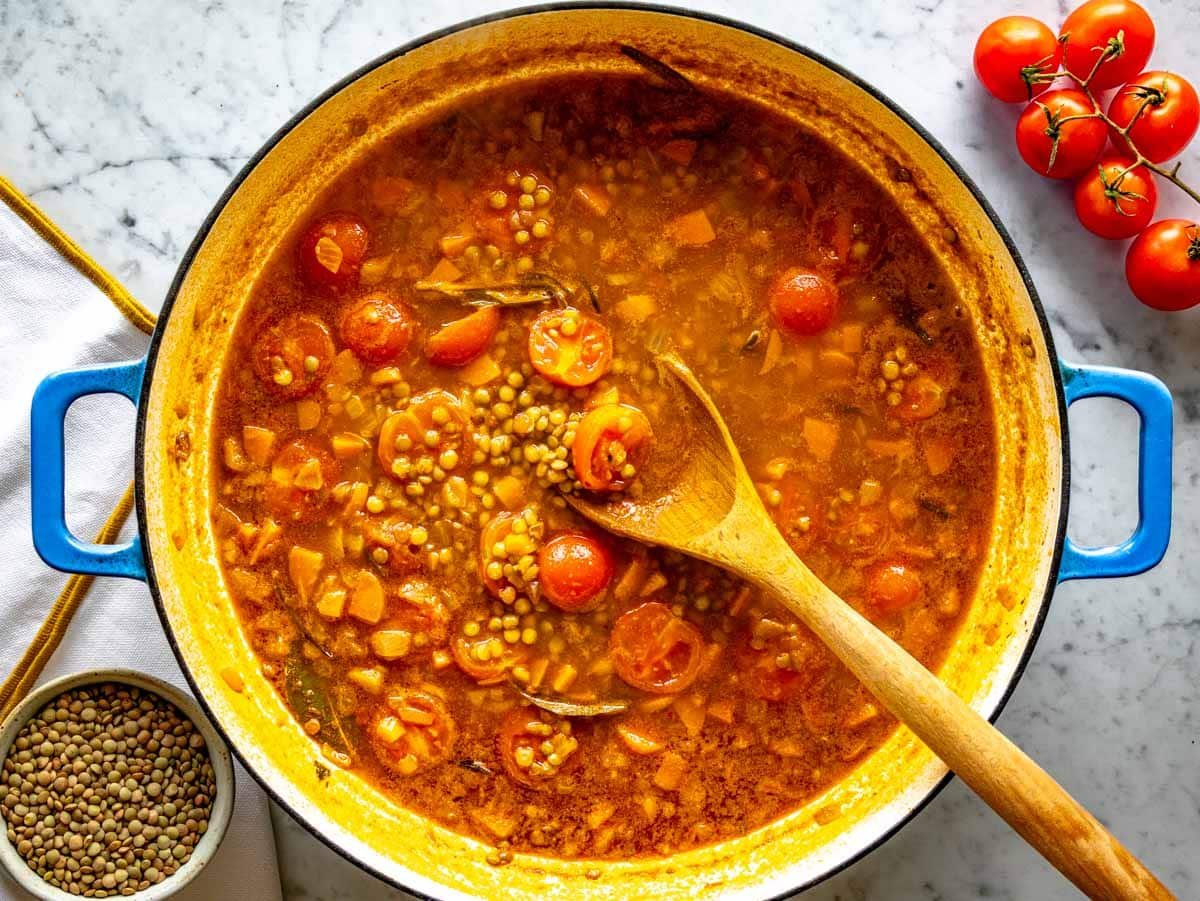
{"x":1114,"y":203}
{"x":1120,"y":28}
{"x":1163,"y":265}
{"x":1168,"y":118}
{"x":1059,"y":135}
{"x":1010,"y":55}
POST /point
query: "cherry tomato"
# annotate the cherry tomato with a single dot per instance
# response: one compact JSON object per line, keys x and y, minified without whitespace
{"x":569,"y":347}
{"x":292,"y":356}
{"x":1112,"y":209}
{"x":1170,"y":114}
{"x":778,"y":668}
{"x":1079,"y":141}
{"x":607,"y":440}
{"x":520,"y":745}
{"x":331,"y":251}
{"x":486,"y":657}
{"x":461,"y":341}
{"x":1088,"y":32}
{"x":297,"y":487}
{"x":420,"y":608}
{"x":377,"y":328}
{"x":494,"y":533}
{"x":654,"y":650}
{"x":412,"y":731}
{"x":893,"y":586}
{"x":922,"y":398}
{"x":574,"y":569}
{"x":803,"y":302}
{"x":435,"y":416}
{"x":1163,"y":265}
{"x":1011,"y":53}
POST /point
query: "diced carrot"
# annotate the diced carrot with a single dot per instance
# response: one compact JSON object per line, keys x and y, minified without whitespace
{"x":308,"y":414}
{"x":670,"y":772}
{"x":940,"y":452}
{"x":722,"y":710}
{"x":345,"y":369}
{"x":366,"y":600}
{"x":509,"y":490}
{"x":852,"y":337}
{"x":480,"y":371}
{"x":332,"y":603}
{"x":304,"y":568}
{"x":638,"y":740}
{"x":594,"y":198}
{"x":258,"y":443}
{"x":679,"y":151}
{"x":900,"y":448}
{"x":691,"y":229}
{"x":453,"y":245}
{"x":636,"y":308}
{"x":267,"y":533}
{"x":821,"y":438}
{"x":631,"y":579}
{"x":444,"y":271}
{"x":691,"y":713}
{"x":348,"y":444}
{"x":390,"y":191}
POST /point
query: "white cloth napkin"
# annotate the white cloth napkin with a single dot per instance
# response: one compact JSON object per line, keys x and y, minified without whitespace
{"x":53,"y":318}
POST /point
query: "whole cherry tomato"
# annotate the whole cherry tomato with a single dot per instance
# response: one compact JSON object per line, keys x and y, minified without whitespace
{"x":1114,"y":203}
{"x":1011,"y":53}
{"x":1055,"y":137}
{"x":803,"y":302}
{"x":1167,"y":111}
{"x":1163,"y":265}
{"x":1119,"y":28}
{"x":574,"y":569}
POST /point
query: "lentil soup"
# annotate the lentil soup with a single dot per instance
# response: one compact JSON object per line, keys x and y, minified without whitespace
{"x":463,"y":331}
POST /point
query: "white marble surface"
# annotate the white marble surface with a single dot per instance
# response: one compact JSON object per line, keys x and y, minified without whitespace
{"x":125,"y":120}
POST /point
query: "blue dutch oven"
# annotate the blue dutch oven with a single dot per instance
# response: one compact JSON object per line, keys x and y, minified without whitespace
{"x":174,"y":386}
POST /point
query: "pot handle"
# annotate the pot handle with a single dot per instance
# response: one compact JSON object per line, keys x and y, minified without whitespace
{"x":53,"y":540}
{"x":1146,"y":546}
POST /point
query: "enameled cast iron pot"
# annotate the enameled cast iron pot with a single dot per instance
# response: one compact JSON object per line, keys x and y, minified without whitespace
{"x":175,"y":386}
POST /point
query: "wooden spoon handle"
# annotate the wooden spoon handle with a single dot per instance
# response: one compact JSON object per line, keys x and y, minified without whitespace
{"x":998,"y":771}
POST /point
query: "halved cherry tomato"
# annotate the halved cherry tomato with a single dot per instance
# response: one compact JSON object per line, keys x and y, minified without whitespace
{"x":570,"y":347}
{"x":1089,"y":30}
{"x":1115,"y":209}
{"x":1011,"y":53}
{"x":461,"y":341}
{"x":520,"y":745}
{"x":1168,"y":118}
{"x":497,"y":529}
{"x":297,"y":487}
{"x":1053,"y":142}
{"x":609,"y":439}
{"x":574,"y":569}
{"x":803,"y":302}
{"x":922,"y":397}
{"x":292,"y":355}
{"x":378,"y":327}
{"x":331,"y":251}
{"x":893,"y":586}
{"x":486,"y":657}
{"x":654,"y":650}
{"x":781,"y":666}
{"x":1163,"y":265}
{"x":432,"y":422}
{"x":412,"y":730}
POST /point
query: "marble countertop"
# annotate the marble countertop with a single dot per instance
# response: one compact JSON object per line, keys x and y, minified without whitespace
{"x":126,"y":120}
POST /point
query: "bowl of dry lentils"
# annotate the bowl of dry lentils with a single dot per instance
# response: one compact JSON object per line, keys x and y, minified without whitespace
{"x":113,"y":784}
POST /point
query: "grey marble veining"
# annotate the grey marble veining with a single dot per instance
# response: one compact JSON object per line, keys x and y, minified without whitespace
{"x":125,"y":120}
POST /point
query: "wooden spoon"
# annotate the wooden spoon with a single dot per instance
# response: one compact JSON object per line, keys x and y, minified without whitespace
{"x":696,"y":497}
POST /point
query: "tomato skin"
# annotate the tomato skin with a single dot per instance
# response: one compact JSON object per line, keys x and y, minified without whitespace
{"x":1090,"y":27}
{"x":575,"y":358}
{"x":803,"y":302}
{"x":1163,"y":129}
{"x":285,"y":346}
{"x":461,"y":341}
{"x":1080,"y":143}
{"x":1096,"y":206}
{"x":1010,"y":45}
{"x":893,"y":586}
{"x":574,"y":568}
{"x":654,"y":650}
{"x":377,"y":328}
{"x":296,"y":503}
{"x":313,"y":252}
{"x":606,"y":438}
{"x":1163,"y":265}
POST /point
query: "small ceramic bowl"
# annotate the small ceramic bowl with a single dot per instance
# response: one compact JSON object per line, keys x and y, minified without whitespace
{"x":222,"y":807}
